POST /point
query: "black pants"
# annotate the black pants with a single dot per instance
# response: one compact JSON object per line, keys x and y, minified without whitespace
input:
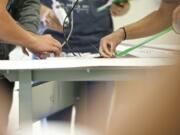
{"x":9,"y":85}
{"x":5,"y":49}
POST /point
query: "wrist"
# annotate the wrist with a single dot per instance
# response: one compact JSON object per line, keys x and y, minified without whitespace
{"x":123,"y":30}
{"x":119,"y":35}
{"x":30,"y":41}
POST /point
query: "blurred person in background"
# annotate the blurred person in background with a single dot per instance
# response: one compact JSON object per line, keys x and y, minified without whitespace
{"x":146,"y":106}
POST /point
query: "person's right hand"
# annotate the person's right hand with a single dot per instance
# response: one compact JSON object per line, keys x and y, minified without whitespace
{"x":44,"y":44}
{"x":109,"y":43}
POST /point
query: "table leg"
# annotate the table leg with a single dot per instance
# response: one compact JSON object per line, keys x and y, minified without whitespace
{"x":25,"y":100}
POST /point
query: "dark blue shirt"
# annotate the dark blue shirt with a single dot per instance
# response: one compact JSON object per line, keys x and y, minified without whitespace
{"x":89,"y":25}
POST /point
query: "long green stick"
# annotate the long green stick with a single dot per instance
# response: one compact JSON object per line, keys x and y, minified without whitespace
{"x":125,"y":52}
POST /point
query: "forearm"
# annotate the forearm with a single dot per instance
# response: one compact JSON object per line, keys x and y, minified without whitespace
{"x":11,"y":32}
{"x":153,"y":23}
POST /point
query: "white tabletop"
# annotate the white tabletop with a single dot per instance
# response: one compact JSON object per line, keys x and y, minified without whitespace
{"x":66,"y":63}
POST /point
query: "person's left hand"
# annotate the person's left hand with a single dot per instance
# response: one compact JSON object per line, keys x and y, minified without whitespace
{"x":119,"y":9}
{"x":109,"y":43}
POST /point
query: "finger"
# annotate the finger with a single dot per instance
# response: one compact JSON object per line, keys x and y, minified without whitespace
{"x":103,"y":54}
{"x":118,"y":7}
{"x":116,"y":12}
{"x":107,"y":48}
{"x":113,"y":13}
{"x":113,"y":49}
{"x":56,"y":51}
{"x":25,"y":51}
{"x":57,"y":44}
{"x":113,"y":52}
{"x":106,"y":56}
{"x":56,"y":47}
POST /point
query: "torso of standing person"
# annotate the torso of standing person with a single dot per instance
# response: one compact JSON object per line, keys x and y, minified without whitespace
{"x":89,"y":25}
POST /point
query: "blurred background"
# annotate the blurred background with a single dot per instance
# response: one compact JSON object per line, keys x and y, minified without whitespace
{"x":60,"y":96}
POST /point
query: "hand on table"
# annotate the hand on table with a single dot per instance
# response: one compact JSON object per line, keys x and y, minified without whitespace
{"x":42,"y":45}
{"x":109,"y":43}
